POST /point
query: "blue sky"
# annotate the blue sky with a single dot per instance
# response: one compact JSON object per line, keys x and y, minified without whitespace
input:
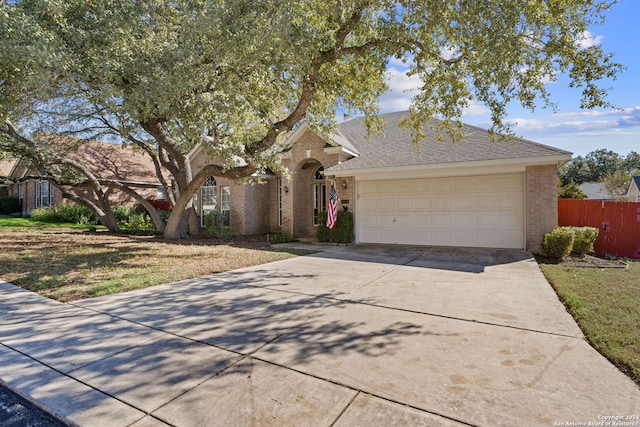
{"x":571,"y":128}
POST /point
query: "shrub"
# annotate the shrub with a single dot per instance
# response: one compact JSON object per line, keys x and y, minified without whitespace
{"x":131,"y":221}
{"x":558,"y":243}
{"x":584,"y":240}
{"x":137,"y":222}
{"x":341,"y":233}
{"x":281,"y":237}
{"x":164,"y":215}
{"x":9,"y":205}
{"x":74,"y":214}
{"x":43,"y":215}
{"x":213,"y":225}
{"x":65,"y":213}
{"x":123,"y":213}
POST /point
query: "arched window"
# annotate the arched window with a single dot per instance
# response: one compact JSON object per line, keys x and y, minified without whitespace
{"x":208,"y":198}
{"x":318,"y":175}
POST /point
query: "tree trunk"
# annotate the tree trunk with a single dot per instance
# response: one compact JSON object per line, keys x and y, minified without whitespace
{"x":176,"y":227}
{"x":194,"y":222}
{"x":151,"y":210}
{"x":104,"y":214}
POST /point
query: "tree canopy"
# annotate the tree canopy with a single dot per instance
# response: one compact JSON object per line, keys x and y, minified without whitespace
{"x":597,"y":165}
{"x":603,"y":165}
{"x":237,"y":75}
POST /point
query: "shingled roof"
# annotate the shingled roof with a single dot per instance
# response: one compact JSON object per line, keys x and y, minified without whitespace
{"x":6,"y":166}
{"x":395,"y":148}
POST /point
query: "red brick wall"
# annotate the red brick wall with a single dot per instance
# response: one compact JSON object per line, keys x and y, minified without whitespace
{"x":542,"y":203}
{"x":307,"y":154}
{"x":254,"y":208}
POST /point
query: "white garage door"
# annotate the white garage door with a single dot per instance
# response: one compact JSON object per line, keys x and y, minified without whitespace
{"x":474,"y":211}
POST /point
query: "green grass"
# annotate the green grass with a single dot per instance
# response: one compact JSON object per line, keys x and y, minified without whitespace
{"x":606,"y":305}
{"x":19,"y":223}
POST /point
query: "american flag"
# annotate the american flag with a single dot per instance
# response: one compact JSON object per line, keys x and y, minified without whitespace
{"x":332,"y":216}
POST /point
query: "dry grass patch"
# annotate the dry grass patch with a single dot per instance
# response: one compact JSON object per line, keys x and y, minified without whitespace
{"x":68,"y":265}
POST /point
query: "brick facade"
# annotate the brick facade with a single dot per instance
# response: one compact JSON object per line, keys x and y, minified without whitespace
{"x":28,"y":199}
{"x":542,"y":203}
{"x":255,"y":207}
{"x":307,"y":155}
{"x":29,"y":203}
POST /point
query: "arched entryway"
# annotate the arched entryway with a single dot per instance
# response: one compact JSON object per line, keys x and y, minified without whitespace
{"x":310,"y":197}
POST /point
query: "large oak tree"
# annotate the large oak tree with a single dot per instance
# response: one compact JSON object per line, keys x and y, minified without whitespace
{"x":238,"y":75}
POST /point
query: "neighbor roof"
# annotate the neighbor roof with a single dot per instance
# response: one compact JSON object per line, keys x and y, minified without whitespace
{"x":113,"y":161}
{"x":106,"y":160}
{"x":395,"y":147}
{"x":594,"y":190}
{"x":6,"y":166}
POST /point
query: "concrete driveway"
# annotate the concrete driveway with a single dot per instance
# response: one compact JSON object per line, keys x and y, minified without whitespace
{"x":352,"y":336}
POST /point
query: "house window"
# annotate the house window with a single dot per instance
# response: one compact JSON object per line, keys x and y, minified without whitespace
{"x":279,"y":201}
{"x":225,"y":204}
{"x":44,"y":194}
{"x":161,"y":193}
{"x":20,"y":194}
{"x":208,"y":198}
{"x":319,"y":194}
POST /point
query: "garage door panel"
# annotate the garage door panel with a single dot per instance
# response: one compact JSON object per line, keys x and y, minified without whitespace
{"x":484,"y":220}
{"x":463,"y":220}
{"x":442,"y":202}
{"x":463,"y":202}
{"x":508,"y":201}
{"x":422,"y":203}
{"x":480,"y":211}
{"x":403,"y":203}
{"x":369,"y":205}
{"x":387,"y":188}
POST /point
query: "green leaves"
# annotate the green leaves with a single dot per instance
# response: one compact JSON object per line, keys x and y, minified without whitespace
{"x":241,"y":65}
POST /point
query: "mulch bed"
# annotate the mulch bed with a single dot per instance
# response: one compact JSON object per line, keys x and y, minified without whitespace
{"x":585,"y":261}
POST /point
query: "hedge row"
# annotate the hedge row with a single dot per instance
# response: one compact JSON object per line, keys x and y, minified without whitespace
{"x":565,"y":241}
{"x":9,"y":205}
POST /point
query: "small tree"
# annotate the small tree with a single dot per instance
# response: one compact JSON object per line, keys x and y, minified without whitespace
{"x":571,"y":191}
{"x":616,"y":183}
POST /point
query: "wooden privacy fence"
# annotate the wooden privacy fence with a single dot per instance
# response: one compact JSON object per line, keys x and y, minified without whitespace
{"x":618,"y":222}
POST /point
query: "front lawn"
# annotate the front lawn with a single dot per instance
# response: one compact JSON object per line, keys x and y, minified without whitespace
{"x":67,"y":264}
{"x":606,"y":305}
{"x":8,"y":224}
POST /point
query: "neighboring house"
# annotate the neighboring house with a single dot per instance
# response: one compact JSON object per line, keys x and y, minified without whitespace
{"x":474,"y":193}
{"x":595,"y":191}
{"x":107,"y":161}
{"x":633,"y":193}
{"x":5,"y":170}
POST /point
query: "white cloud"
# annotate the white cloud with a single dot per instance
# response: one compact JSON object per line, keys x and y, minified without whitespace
{"x":403,"y":87}
{"x":401,"y":90}
{"x":586,"y":123}
{"x":475,"y":109}
{"x":586,"y":39}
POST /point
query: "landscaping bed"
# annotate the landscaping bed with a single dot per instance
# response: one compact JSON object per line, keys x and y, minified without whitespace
{"x":584,"y":261}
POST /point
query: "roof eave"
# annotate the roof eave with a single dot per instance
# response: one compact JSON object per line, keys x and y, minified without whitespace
{"x":513,"y":164}
{"x":340,"y":150}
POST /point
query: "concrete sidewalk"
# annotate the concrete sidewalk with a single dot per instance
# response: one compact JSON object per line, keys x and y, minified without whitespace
{"x":352,"y":336}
